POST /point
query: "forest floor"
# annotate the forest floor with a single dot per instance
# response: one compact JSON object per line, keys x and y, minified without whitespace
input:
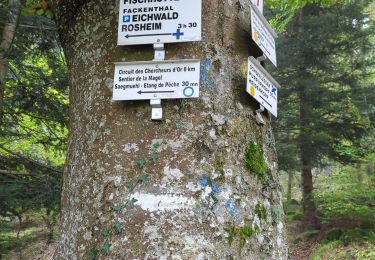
{"x":328,"y":245}
{"x":32,"y":242}
{"x":302,"y":245}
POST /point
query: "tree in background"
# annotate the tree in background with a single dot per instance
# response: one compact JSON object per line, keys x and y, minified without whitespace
{"x":321,"y":75}
{"x":34,"y":104}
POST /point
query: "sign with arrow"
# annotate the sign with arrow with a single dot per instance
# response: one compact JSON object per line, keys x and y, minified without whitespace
{"x":262,"y":86}
{"x":156,"y":80}
{"x":263,"y":34}
{"x":151,"y":22}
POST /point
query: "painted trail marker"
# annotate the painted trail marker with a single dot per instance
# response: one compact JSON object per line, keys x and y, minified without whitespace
{"x":259,"y":4}
{"x":263,"y":34}
{"x":262,"y":86}
{"x":156,"y":80}
{"x":159,"y":21}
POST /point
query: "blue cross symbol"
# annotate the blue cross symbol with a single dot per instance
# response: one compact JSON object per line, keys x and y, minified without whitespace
{"x":178,"y":33}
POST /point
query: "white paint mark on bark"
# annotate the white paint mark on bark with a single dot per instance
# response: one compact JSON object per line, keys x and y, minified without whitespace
{"x":164,"y":202}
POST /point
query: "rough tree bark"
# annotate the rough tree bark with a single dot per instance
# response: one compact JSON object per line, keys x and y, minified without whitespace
{"x":199,"y":201}
{"x":7,"y":37}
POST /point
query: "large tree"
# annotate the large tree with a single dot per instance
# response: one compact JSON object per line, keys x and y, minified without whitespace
{"x":200,"y":184}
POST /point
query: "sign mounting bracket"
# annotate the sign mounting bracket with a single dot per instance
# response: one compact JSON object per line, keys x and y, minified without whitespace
{"x":156,"y":108}
{"x":259,"y":117}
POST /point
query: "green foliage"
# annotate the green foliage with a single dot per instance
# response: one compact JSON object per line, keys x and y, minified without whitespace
{"x":327,"y":249}
{"x":106,"y":232}
{"x":261,"y":211}
{"x":326,"y":65}
{"x":141,"y":163}
{"x":131,"y":202}
{"x":31,"y":232}
{"x":33,"y":126}
{"x":347,"y":198}
{"x":366,"y":254}
{"x":119,"y":208}
{"x":284,"y":11}
{"x":93,"y":254}
{"x":37,"y":7}
{"x":243,"y":234}
{"x":117,"y":226}
{"x":231,"y":234}
{"x":143,"y":179}
{"x":337,"y":250}
{"x":255,"y":162}
{"x":154,"y":158}
{"x":130,"y":185}
{"x":106,"y":248}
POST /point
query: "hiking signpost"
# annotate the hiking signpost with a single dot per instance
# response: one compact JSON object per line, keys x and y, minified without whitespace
{"x":150,"y":22}
{"x":260,"y":84}
{"x":158,"y":22}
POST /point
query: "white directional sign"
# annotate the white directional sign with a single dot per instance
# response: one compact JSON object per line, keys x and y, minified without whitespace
{"x":262,"y":86}
{"x":156,"y":80}
{"x":259,"y":4}
{"x":263,"y":34}
{"x":159,"y":21}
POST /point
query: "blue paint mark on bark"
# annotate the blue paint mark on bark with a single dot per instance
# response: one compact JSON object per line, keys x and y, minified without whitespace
{"x":203,"y":181}
{"x":205,"y":78}
{"x":233,"y":210}
{"x":215,"y":188}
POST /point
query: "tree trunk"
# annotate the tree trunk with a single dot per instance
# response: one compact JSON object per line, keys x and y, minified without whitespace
{"x":7,"y":37}
{"x":18,"y":241}
{"x":305,"y":143}
{"x":177,"y":189}
{"x":289,"y":193}
{"x":305,"y":146}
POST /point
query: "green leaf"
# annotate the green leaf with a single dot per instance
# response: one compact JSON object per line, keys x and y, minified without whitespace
{"x":40,"y":12}
{"x":50,"y":14}
{"x":154,"y":157}
{"x":130,"y":185}
{"x":106,"y":248}
{"x":232,"y":232}
{"x":28,"y":11}
{"x":117,"y":226}
{"x":156,"y":145}
{"x":119,"y":208}
{"x":105,"y":232}
{"x":143,"y":178}
{"x":141,"y":163}
{"x":131,"y":202}
{"x":93,"y":254}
